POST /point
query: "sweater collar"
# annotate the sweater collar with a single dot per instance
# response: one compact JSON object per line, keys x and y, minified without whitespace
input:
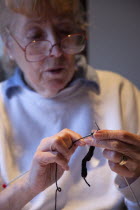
{"x":84,"y":75}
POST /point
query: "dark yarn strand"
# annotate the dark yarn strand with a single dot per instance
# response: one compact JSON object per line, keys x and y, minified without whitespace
{"x":57,"y":188}
{"x":83,"y":171}
{"x":91,"y":134}
{"x":84,"y":168}
{"x":84,"y":161}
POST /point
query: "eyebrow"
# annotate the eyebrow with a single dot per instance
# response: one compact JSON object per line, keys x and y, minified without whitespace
{"x":34,"y":22}
{"x":63,"y":19}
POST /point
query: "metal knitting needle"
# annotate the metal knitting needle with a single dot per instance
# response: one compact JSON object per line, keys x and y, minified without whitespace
{"x":97,"y":126}
{"x":91,"y":134}
{"x":131,"y":190}
{"x":80,"y":139}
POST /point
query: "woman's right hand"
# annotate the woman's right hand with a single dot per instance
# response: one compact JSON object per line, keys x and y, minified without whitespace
{"x":54,"y":149}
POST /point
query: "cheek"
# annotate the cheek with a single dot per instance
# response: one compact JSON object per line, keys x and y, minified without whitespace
{"x":25,"y":66}
{"x":71,"y":62}
{"x":19,"y":57}
{"x":70,"y":59}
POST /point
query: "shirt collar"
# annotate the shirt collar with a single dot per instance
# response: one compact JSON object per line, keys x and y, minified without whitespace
{"x":84,"y":74}
{"x":14,"y":84}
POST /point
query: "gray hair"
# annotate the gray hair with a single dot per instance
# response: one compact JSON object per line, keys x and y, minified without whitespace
{"x":38,"y":8}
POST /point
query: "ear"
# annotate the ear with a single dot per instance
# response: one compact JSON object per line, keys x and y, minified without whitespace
{"x":8,"y":46}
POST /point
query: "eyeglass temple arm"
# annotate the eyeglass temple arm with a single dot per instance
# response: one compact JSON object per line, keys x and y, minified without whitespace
{"x":7,"y":29}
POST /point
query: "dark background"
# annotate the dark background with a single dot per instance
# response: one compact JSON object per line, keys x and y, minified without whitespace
{"x":114,"y":36}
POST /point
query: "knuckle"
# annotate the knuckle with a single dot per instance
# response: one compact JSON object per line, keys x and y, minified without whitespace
{"x":124,"y":135}
{"x":66,"y":130}
{"x":96,"y":141}
{"x":58,"y":141}
{"x":113,"y":155}
{"x":134,"y":167}
{"x":43,"y":141}
{"x":112,"y":166}
{"x":105,"y":152}
{"x":115,"y":145}
{"x":109,"y":154}
{"x":132,"y":174}
{"x":105,"y":133}
{"x":37,"y":157}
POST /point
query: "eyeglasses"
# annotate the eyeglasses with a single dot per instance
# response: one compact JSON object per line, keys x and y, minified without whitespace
{"x":36,"y":51}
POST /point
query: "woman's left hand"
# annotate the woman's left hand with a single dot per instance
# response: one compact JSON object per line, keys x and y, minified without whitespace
{"x":121,"y":148}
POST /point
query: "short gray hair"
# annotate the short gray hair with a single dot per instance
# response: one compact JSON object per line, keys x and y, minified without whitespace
{"x":38,"y":8}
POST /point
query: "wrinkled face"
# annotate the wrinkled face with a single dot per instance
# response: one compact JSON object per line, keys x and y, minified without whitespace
{"x":49,"y":76}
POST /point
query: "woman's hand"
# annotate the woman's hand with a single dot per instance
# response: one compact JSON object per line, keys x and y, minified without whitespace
{"x":54,"y":149}
{"x":118,"y":144}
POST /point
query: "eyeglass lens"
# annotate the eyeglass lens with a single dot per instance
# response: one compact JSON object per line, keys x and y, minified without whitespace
{"x":38,"y":50}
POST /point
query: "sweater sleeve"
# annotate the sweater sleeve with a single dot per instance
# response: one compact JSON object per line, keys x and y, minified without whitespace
{"x":130,"y":107}
{"x":130,"y":103}
{"x":131,"y":196}
{"x":1,"y":183}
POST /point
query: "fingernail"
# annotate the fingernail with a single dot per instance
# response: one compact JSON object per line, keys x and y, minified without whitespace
{"x":81,"y":143}
{"x":98,"y":136}
{"x":98,"y":131}
{"x":89,"y":141}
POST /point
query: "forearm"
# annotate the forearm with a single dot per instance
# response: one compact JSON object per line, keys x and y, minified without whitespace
{"x":16,"y":195}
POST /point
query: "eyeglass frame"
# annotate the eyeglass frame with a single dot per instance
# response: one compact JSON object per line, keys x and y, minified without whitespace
{"x":24,"y":48}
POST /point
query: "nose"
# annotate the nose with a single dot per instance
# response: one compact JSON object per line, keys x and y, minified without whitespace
{"x":55,"y":50}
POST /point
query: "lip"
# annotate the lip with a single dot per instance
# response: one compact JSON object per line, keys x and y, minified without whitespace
{"x":55,"y":69}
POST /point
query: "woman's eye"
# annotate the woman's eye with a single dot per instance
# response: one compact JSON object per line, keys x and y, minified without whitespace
{"x":35,"y":37}
{"x":66,"y":31}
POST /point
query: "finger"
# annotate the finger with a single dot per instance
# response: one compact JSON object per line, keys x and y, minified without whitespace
{"x":131,"y":151}
{"x":121,"y":135}
{"x":74,"y":137}
{"x":45,"y":158}
{"x":55,"y":143}
{"x":52,"y":144}
{"x":113,"y":156}
{"x":116,"y":157}
{"x":121,"y":170}
{"x":68,"y":136}
{"x":60,"y":146}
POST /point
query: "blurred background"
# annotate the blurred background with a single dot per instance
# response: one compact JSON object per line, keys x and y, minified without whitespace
{"x":114,"y":37}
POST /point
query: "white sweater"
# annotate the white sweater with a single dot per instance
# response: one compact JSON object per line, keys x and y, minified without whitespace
{"x":105,"y":97}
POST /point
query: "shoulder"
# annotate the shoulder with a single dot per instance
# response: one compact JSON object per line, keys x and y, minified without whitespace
{"x":111,"y":77}
{"x":112,"y":85}
{"x":110,"y":81}
{"x":104,"y":76}
{"x":121,"y":98}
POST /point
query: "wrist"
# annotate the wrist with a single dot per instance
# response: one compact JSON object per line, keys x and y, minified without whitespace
{"x":27,"y":187}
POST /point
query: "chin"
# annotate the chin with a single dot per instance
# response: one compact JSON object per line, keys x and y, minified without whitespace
{"x":50,"y":89}
{"x":49,"y":93}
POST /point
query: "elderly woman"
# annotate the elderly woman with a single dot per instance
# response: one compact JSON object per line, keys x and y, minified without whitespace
{"x":53,"y":89}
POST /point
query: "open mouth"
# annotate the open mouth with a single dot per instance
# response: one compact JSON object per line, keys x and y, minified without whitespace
{"x":55,"y":70}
